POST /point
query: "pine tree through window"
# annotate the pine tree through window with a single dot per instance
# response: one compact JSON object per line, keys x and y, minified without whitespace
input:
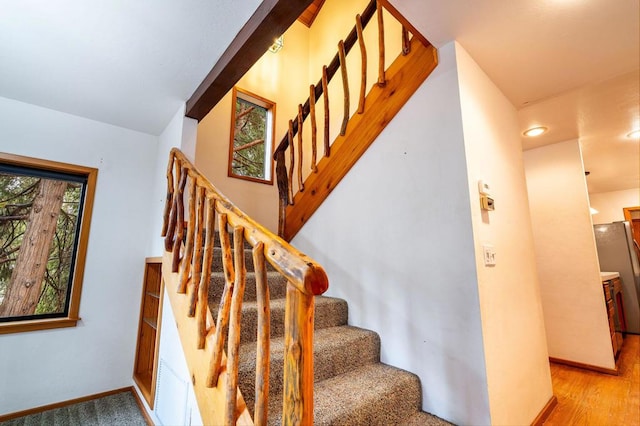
{"x":252,"y":132}
{"x":44,"y":208}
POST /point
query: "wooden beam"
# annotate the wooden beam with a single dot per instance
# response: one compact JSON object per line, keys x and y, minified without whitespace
{"x":270,"y":20}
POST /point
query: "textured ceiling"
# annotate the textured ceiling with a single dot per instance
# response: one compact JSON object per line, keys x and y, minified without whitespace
{"x":127,"y":63}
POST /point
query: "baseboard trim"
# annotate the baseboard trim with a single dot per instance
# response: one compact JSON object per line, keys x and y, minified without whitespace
{"x":546,"y":411}
{"x":11,"y":416}
{"x":613,"y":372}
{"x":142,"y":408}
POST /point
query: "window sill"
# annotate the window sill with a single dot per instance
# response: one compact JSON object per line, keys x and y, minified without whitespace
{"x":32,"y":325}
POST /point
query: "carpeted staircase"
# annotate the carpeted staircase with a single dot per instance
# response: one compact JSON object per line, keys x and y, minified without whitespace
{"x":352,"y":386}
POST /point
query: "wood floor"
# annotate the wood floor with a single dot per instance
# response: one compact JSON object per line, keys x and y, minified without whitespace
{"x":588,"y":398}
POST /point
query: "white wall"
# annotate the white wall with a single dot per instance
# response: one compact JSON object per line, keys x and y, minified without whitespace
{"x":181,"y":133}
{"x":280,"y":78}
{"x":512,"y":320}
{"x":610,"y":204}
{"x":44,"y":367}
{"x":572,"y":298}
{"x":396,"y":240}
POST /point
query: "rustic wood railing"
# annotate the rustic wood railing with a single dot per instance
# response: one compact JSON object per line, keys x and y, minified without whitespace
{"x":425,"y":58}
{"x":187,"y":272}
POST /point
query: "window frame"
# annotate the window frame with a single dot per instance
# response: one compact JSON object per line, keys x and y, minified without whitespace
{"x":73,"y":308}
{"x":269,"y":142}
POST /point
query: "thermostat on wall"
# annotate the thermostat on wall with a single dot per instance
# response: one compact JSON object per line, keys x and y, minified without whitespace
{"x":484,"y":188}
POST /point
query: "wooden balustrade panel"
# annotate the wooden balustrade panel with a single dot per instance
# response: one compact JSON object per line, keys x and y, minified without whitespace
{"x":211,"y":400}
{"x":233,"y":357}
{"x":216,"y":388}
{"x":404,"y":76}
{"x":261,"y":412}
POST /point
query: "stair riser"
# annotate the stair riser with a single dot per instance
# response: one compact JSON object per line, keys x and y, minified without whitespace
{"x":217,"y":264}
{"x":331,"y":314}
{"x":328,"y":362}
{"x":277,"y":287}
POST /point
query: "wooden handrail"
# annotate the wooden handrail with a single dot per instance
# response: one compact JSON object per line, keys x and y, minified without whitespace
{"x":187,"y":269}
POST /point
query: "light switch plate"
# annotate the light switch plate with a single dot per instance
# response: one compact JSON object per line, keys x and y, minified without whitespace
{"x":489,"y":255}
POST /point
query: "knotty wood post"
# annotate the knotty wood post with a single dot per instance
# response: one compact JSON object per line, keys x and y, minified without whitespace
{"x":177,"y":243}
{"x":203,"y":288}
{"x":314,"y":128}
{"x":292,"y":160}
{"x":325,"y":93}
{"x":300,"y":158}
{"x":283,"y":191}
{"x":171,"y":227}
{"x":298,"y":358}
{"x":406,"y":42}
{"x":381,"y":78}
{"x":197,"y":259}
{"x":222,"y":322}
{"x":363,"y":62}
{"x":345,"y":87}
{"x":169,"y":201}
{"x":262,"y":353}
{"x":185,"y":269}
{"x":233,"y":358}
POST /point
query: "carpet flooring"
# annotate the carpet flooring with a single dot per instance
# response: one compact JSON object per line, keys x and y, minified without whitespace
{"x":352,"y":387}
{"x":120,"y":409}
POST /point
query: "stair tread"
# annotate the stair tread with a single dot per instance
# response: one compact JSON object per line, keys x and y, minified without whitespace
{"x":375,"y":394}
{"x":336,"y":350}
{"x":326,"y":338}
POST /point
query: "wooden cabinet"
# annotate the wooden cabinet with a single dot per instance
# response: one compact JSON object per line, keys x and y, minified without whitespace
{"x":615,"y":312}
{"x":146,"y":363}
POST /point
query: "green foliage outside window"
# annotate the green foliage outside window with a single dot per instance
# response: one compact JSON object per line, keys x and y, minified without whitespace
{"x":252,"y":132}
{"x":17,"y":196}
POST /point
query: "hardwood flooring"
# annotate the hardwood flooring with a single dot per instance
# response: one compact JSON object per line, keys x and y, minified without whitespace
{"x":588,"y":398}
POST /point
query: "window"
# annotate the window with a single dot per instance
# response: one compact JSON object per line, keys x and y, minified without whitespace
{"x":45,"y":211}
{"x":251,"y":146}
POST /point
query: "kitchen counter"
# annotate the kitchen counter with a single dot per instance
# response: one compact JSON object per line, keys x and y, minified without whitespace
{"x":606,"y":276}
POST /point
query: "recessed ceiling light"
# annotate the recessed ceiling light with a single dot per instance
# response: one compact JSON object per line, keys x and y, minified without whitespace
{"x":535,"y":131}
{"x":634,"y":135}
{"x":593,"y":211}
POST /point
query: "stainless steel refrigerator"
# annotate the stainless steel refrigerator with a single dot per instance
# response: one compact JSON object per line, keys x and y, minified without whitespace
{"x":617,"y":254}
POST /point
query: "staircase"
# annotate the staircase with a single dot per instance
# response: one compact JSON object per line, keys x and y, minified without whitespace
{"x":262,"y":345}
{"x":351,"y":386}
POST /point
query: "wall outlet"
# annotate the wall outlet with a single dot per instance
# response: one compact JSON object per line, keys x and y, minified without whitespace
{"x":489,"y":255}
